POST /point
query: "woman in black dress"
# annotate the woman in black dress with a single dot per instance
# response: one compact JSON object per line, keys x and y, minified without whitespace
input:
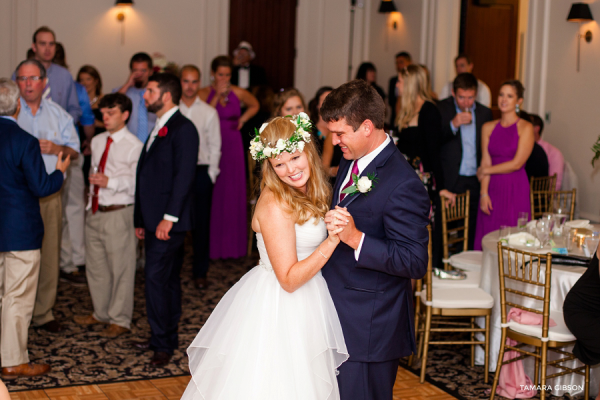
{"x":582,"y":315}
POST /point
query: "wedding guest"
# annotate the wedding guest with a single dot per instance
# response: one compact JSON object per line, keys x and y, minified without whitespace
{"x":60,"y":86}
{"x":206,"y":120}
{"x":141,"y":122}
{"x":163,"y":210}
{"x":245,"y":74}
{"x":582,"y":315}
{"x":367,"y":72}
{"x":462,"y":120}
{"x":403,"y":60}
{"x":90,"y":79}
{"x":321,"y":133}
{"x":54,"y":128}
{"x":463,"y":63}
{"x":556,"y":161}
{"x":332,"y":155}
{"x":228,"y":224}
{"x":419,"y":125}
{"x":109,"y":230}
{"x":506,"y":144}
{"x":288,"y":102}
{"x":432,"y":94}
{"x":24,"y":181}
{"x":72,"y":253}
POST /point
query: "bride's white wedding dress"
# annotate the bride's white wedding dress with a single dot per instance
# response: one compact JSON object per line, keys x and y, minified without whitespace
{"x":262,"y":342}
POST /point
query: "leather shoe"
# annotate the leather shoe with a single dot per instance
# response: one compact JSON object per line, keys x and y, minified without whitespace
{"x":200,"y":283}
{"x":113,"y":331}
{"x":86,"y":320}
{"x":160,"y":359}
{"x":53,"y":326}
{"x":25,"y":370}
{"x":140,"y":345}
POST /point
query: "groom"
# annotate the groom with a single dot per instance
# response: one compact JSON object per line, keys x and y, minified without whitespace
{"x":385,"y":243}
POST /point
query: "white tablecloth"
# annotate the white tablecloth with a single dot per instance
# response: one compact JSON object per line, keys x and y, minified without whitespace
{"x":563,"y":279}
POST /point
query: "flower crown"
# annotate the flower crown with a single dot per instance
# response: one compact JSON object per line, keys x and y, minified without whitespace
{"x":296,"y":142}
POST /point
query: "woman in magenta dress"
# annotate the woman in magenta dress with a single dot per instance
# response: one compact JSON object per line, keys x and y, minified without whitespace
{"x":229,"y":221}
{"x":506,"y":145}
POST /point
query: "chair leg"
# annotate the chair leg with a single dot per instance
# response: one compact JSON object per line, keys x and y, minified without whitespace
{"x":421,"y":337}
{"x":587,"y":382}
{"x":536,"y":378}
{"x":544,"y":355}
{"x":486,"y":363}
{"x":417,"y":322}
{"x":472,"y":340}
{"x":499,"y":365}
{"x":425,"y":343}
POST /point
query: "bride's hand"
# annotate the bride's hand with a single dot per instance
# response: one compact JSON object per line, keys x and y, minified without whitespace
{"x":335,"y":225}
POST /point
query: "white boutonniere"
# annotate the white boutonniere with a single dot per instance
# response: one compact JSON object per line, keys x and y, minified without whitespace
{"x":362,"y":185}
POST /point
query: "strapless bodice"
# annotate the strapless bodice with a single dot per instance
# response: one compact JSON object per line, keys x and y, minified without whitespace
{"x":308,"y":238}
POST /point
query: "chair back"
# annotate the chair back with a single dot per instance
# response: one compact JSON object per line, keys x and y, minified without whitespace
{"x":540,"y":194}
{"x":565,"y":200}
{"x":453,"y":215}
{"x":517,"y":268}
{"x":429,"y":274}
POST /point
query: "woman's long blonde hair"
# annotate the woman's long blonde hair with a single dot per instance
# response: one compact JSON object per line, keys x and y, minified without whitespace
{"x":415,"y":85}
{"x":302,"y":206}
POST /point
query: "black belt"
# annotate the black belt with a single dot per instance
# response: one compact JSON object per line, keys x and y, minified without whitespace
{"x":113,"y":207}
{"x":202,"y":167}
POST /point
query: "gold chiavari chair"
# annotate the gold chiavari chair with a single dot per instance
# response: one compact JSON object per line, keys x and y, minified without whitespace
{"x":522,"y":267}
{"x":455,"y":229}
{"x":540,"y":195}
{"x":438,"y":312}
{"x":565,"y":200}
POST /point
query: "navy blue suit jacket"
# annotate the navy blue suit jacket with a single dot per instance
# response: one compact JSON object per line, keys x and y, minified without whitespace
{"x":165,"y":174}
{"x":373,"y":296}
{"x":24,"y":180}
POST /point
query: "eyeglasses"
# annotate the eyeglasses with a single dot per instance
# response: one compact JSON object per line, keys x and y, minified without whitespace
{"x":29,"y":78}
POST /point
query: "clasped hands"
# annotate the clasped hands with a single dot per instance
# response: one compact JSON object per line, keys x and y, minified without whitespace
{"x":341,"y":224}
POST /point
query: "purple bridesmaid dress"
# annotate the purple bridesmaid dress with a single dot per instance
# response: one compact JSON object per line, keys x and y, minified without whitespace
{"x":228,"y":220}
{"x":509,"y":192}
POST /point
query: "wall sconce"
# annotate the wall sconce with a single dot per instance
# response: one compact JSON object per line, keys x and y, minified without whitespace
{"x":387,"y":7}
{"x":121,"y":16}
{"x":580,"y":12}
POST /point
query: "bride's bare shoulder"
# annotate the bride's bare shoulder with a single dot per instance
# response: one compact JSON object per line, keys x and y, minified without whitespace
{"x":269,"y":211}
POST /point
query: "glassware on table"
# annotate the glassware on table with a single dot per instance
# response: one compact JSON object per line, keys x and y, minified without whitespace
{"x":504,"y":231}
{"x":570,"y":240}
{"x":559,"y":221}
{"x":542,"y":230}
{"x":591,"y":243}
{"x":522,"y":221}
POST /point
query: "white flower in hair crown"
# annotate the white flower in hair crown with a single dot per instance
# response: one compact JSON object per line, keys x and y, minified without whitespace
{"x":296,"y":142}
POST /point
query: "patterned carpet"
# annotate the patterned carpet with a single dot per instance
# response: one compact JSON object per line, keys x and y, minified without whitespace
{"x":80,"y":356}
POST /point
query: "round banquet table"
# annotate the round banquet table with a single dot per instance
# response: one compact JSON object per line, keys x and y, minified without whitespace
{"x":563,"y":279}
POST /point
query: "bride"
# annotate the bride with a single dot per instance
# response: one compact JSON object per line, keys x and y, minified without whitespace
{"x":276,"y":334}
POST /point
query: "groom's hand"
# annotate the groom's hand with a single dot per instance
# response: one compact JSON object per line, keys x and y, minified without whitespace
{"x":350,"y":235}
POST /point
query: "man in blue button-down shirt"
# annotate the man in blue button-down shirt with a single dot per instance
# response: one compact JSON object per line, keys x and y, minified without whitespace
{"x":54,"y":129}
{"x":462,"y":119}
{"x":141,"y":121}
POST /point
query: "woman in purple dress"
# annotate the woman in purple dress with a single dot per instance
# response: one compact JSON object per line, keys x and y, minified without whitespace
{"x":229,"y":221}
{"x":506,"y":145}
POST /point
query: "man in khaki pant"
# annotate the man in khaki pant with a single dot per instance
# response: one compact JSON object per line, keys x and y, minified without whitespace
{"x":24,"y":181}
{"x":54,"y":129}
{"x":109,"y":230}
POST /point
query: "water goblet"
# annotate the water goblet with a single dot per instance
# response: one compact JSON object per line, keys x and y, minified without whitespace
{"x":542,"y":229}
{"x":522,"y":221}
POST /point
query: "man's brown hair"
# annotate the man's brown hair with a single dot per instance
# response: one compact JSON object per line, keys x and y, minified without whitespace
{"x":356,"y":101}
{"x":43,"y":29}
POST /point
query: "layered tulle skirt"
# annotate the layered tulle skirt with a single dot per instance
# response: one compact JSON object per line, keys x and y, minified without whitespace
{"x":262,"y":342}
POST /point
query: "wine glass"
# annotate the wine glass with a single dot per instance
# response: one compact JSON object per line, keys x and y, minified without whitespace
{"x":542,"y":229}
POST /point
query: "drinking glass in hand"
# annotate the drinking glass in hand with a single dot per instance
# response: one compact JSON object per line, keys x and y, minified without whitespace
{"x":93,"y":171}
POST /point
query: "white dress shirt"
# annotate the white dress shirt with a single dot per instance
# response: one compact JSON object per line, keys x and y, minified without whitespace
{"x":160,"y":122}
{"x":363,"y":162}
{"x":207,"y":123}
{"x":244,"y":77}
{"x":120,"y":168}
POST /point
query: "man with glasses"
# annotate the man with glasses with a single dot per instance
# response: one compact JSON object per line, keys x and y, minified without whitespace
{"x":54,"y":129}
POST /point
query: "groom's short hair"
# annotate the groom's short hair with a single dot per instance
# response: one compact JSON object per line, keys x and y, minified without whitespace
{"x":168,"y":82}
{"x":356,"y":101}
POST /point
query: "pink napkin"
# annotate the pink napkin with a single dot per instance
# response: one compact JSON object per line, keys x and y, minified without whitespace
{"x":527,"y":317}
{"x":514,"y":382}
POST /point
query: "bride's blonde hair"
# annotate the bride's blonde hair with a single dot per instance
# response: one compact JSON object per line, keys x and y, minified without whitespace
{"x":302,"y":206}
